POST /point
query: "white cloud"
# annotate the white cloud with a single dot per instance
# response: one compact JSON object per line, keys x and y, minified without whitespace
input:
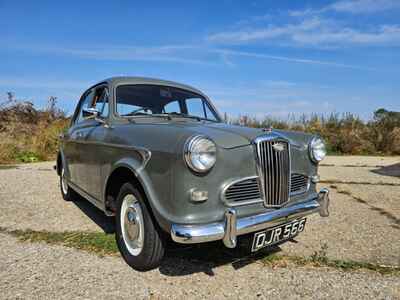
{"x":287,"y":59}
{"x":167,"y":53}
{"x":181,"y":54}
{"x":312,"y":31}
{"x":383,"y":36}
{"x":269,"y":32}
{"x":364,"y":6}
{"x":351,"y":6}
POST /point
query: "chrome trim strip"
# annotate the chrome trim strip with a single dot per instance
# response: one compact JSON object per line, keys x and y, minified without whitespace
{"x":231,"y":227}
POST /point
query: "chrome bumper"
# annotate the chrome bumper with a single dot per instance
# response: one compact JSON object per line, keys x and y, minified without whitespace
{"x":231,"y":227}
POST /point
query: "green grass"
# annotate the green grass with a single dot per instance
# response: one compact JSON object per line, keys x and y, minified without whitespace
{"x":6,"y":167}
{"x":276,"y":260}
{"x":104,"y":245}
{"x":95,"y":242}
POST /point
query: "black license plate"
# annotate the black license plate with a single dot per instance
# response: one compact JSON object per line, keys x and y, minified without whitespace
{"x":277,"y":234}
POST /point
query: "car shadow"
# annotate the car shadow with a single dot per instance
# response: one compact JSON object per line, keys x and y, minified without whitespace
{"x":392,"y":170}
{"x":181,"y":260}
{"x":107,"y":224}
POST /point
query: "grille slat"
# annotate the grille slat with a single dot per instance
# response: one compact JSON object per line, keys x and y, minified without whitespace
{"x":245,"y":190}
{"x":254,"y":192}
{"x":274,"y":170}
{"x":299,"y":183}
{"x":249,"y":190}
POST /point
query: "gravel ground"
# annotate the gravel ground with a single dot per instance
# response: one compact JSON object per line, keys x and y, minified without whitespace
{"x":34,"y":190}
{"x":366,"y":230}
{"x":39,"y":271}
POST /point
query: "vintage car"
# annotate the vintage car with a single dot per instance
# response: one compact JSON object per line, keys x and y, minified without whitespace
{"x":157,"y":155}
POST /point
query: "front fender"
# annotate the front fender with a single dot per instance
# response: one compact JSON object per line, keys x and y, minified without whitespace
{"x":138,"y":169}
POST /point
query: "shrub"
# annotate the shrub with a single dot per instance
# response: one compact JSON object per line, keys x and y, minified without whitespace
{"x":344,"y":134}
{"x":28,"y":134}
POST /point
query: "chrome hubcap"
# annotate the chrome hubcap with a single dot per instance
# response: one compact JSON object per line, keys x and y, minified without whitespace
{"x":64,"y":184}
{"x":132,"y":225}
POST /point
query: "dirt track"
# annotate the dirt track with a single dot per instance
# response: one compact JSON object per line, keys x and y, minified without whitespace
{"x":364,"y":226}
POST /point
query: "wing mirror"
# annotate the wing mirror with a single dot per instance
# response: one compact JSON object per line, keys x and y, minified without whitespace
{"x":90,"y":113}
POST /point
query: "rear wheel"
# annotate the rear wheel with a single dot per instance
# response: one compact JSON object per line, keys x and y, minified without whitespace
{"x":138,"y":239}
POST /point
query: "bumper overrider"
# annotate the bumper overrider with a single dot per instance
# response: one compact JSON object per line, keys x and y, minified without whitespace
{"x":232,"y":227}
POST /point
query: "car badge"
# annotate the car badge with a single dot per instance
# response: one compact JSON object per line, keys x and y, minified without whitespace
{"x":279,"y":147}
{"x":267,"y":129}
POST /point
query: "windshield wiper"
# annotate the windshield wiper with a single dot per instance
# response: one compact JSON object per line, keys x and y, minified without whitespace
{"x":184,"y":116}
{"x":142,"y":116}
{"x":168,"y":116}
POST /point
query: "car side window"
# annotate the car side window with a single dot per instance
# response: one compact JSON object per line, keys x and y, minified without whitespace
{"x":195,"y":107}
{"x":172,"y":107}
{"x":102,"y":103}
{"x":85,"y":104}
{"x":209,"y":114}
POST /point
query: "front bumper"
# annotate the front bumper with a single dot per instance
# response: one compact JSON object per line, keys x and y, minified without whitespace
{"x":231,"y":227}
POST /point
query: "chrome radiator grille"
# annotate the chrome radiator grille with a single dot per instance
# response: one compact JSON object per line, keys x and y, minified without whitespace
{"x":243,"y":191}
{"x":273,"y":164}
{"x":298,"y":184}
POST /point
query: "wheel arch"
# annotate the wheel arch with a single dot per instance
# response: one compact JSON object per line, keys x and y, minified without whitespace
{"x":128,"y":171}
{"x":60,"y":163}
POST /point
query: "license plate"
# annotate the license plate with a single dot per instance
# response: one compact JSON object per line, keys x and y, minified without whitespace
{"x":277,"y":234}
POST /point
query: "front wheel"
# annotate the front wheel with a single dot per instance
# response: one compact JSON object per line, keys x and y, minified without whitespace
{"x":137,"y":237}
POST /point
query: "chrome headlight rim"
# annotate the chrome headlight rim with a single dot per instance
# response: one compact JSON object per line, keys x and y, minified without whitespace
{"x":312,"y":148}
{"x":188,"y":151}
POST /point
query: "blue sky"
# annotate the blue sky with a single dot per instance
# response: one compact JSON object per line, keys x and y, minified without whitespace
{"x":250,"y":57}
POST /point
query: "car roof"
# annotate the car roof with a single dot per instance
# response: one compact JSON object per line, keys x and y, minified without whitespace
{"x":118,"y":80}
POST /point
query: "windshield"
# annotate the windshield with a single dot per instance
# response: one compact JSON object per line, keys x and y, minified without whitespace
{"x":143,"y":99}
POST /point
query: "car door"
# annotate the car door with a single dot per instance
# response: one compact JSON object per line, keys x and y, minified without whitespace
{"x":73,"y":139}
{"x":93,"y":147}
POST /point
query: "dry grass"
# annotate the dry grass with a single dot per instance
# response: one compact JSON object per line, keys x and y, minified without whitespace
{"x":344,"y":134}
{"x":28,"y":134}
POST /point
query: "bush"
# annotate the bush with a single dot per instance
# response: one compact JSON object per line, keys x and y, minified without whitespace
{"x":344,"y":134}
{"x":28,"y":134}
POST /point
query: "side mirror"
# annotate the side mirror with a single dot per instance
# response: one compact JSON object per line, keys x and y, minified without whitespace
{"x":90,"y":113}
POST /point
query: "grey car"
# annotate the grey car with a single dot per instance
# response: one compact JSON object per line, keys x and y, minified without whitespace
{"x":157,"y":156}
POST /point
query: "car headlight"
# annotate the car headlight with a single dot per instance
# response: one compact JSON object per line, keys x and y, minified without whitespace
{"x":200,"y":153}
{"x":317,"y":149}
